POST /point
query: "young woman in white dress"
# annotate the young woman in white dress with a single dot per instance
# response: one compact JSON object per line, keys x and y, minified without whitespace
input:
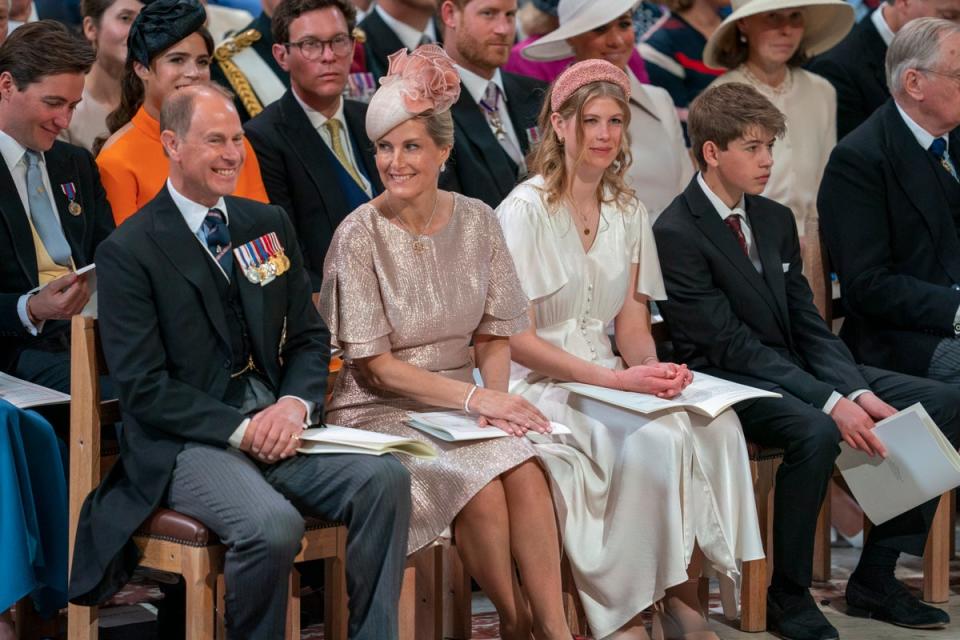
{"x":641,"y":499}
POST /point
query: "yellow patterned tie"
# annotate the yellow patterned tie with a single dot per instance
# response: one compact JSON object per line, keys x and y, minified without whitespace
{"x":334,"y":127}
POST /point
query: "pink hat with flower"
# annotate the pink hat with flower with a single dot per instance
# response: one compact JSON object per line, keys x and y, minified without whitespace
{"x":416,"y":82}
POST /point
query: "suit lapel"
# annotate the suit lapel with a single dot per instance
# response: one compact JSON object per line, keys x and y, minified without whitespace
{"x":877,"y":53}
{"x":355,"y":113}
{"x":518,"y":106}
{"x":718,"y":233}
{"x":475,"y":128}
{"x":770,"y":260}
{"x":924,"y":187}
{"x":18,"y":225}
{"x":171,"y":234}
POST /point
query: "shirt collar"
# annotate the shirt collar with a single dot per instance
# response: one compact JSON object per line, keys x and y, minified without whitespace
{"x":408,"y":36}
{"x":881,"y":24}
{"x":12,"y":151}
{"x":722,"y":209}
{"x":193,"y":212}
{"x":476,"y":85}
{"x":316,"y":118}
{"x":924,"y":138}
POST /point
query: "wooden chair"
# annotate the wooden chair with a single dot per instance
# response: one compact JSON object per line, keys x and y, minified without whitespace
{"x":170,"y":541}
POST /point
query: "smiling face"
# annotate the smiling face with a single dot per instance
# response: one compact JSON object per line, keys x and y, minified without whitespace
{"x":613,"y":42}
{"x":744,"y":166}
{"x":601,"y":126}
{"x":205,"y":162}
{"x":773,"y":37}
{"x":35,"y":116}
{"x":109,"y":36}
{"x":318,"y":82}
{"x":480,"y":35}
{"x":185,"y":64}
{"x":409,"y":160}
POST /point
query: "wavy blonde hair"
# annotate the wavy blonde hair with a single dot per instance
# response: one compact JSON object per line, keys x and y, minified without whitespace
{"x":548,"y":157}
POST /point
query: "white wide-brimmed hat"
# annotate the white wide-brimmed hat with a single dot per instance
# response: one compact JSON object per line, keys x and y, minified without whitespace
{"x":825,"y":23}
{"x":575,"y":17}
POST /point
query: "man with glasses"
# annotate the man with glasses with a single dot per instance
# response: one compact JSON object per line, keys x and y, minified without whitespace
{"x":245,"y":63}
{"x":315,"y":157}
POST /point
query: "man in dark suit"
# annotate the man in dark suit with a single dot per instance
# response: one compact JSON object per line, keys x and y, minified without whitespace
{"x":245,"y":63}
{"x":397,"y":24}
{"x":314,"y":155}
{"x":739,"y":308}
{"x":855,"y":67}
{"x":53,"y":206}
{"x":890,"y":212}
{"x":496,"y":114}
{"x":220,"y":360}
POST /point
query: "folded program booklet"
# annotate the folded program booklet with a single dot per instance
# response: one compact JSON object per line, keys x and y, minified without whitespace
{"x":336,"y":439}
{"x":920,"y":465}
{"x":456,"y":426}
{"x":25,"y":395}
{"x":706,"y":395}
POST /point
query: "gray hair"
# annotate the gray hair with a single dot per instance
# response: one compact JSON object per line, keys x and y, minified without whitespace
{"x":916,"y":46}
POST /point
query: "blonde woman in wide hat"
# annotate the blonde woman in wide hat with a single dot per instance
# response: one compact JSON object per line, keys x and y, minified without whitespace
{"x":763,"y":43}
{"x":661,"y":166}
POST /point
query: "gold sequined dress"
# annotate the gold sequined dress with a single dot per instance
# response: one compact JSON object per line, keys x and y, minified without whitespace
{"x":379,"y":294}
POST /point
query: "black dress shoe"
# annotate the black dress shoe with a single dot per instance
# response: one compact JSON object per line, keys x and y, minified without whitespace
{"x":890,"y":602}
{"x":797,"y":617}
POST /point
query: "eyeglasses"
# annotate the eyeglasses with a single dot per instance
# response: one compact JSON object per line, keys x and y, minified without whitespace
{"x":312,"y":48}
{"x":955,"y":76}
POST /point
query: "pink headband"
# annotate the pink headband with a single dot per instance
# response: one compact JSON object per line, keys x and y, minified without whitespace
{"x":584,"y":73}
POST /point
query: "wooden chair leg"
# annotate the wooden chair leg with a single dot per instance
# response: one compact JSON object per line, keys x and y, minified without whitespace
{"x":82,"y":623}
{"x":822,"y":556}
{"x":292,"y":630}
{"x":221,"y":610}
{"x":27,"y":621}
{"x":200,"y":578}
{"x":457,"y":603}
{"x":336,"y":613}
{"x":936,"y":560}
{"x":408,"y":603}
{"x":753,"y":596}
{"x":953,"y":525}
{"x":429,"y":593}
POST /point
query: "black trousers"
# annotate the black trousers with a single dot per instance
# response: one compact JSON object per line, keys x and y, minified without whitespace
{"x":810,"y":441}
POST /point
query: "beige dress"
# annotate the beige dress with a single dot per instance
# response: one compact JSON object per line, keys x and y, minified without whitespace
{"x":379,"y":296}
{"x":809,"y":103}
{"x":633,"y":492}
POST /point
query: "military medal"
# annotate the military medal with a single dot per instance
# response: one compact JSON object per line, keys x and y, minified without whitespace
{"x":262,"y":259}
{"x":533,"y":135}
{"x":70,"y":190}
{"x":360,"y":86}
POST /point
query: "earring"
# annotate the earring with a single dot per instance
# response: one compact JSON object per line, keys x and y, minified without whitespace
{"x":443,"y":167}
{"x":560,"y":140}
{"x":743,"y":38}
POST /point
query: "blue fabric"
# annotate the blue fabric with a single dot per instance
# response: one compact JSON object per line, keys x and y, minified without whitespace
{"x":354,"y":195}
{"x":33,"y":512}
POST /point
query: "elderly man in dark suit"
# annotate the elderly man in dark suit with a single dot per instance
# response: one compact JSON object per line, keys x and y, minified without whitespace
{"x":397,"y":24}
{"x":496,"y":114}
{"x":53,"y":206}
{"x":220,"y":360}
{"x":855,"y":67}
{"x":890,"y":212}
{"x":316,"y":160}
{"x":739,"y":308}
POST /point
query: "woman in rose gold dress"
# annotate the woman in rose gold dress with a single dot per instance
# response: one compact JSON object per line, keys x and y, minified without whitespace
{"x":411,"y":280}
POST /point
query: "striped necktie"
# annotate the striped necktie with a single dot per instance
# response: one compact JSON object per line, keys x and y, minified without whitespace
{"x":218,"y":239}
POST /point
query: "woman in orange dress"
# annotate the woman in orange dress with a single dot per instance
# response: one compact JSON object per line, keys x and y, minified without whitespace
{"x":168,"y":49}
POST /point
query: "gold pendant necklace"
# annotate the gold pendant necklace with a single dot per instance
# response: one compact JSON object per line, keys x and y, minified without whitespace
{"x":419,"y":243}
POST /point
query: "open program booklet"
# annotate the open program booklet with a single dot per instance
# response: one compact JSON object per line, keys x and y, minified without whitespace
{"x":456,"y":426}
{"x":920,"y":465}
{"x":335,"y":439}
{"x":25,"y":395}
{"x":706,"y":395}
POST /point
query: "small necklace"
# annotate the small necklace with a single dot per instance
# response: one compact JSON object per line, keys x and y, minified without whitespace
{"x":419,"y":244}
{"x":583,"y":219}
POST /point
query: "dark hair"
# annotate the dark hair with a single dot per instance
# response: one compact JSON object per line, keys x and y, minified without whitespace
{"x":176,"y":114}
{"x":289,"y":10}
{"x":94,"y":9}
{"x":725,"y":112}
{"x":44,"y":48}
{"x":734,"y":52}
{"x":677,"y":6}
{"x":131,"y":93}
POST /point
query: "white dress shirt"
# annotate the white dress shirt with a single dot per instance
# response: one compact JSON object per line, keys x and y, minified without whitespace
{"x":886,"y":33}
{"x":476,"y":86}
{"x":14,"y":157}
{"x":318,"y":120}
{"x":724,"y":212}
{"x":193,"y":214}
{"x":408,"y":36}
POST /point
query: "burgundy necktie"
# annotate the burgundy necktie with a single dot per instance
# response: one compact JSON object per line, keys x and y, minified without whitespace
{"x":733,"y":221}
